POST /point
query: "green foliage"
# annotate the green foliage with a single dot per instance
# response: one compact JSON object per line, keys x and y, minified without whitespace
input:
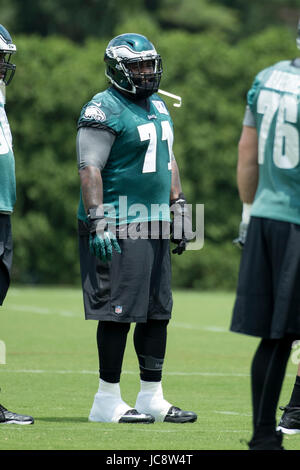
{"x":55,"y":77}
{"x":140,"y":24}
{"x":256,"y":15}
{"x":74,"y":19}
{"x":81,"y":19}
{"x":197,"y":15}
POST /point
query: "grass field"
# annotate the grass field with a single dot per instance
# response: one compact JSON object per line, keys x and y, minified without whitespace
{"x":51,"y":372}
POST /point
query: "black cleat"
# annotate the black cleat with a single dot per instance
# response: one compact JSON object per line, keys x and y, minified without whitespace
{"x":133,"y":416}
{"x":176,"y":415}
{"x":290,"y":420}
{"x":272,"y":442}
{"x":14,"y":418}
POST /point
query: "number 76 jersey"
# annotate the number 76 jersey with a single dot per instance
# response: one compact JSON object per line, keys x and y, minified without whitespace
{"x":138,"y":169}
{"x":274,"y":100}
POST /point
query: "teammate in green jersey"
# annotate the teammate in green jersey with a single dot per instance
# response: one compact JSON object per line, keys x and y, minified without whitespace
{"x":7,"y":192}
{"x":129,"y":179}
{"x":268,"y":291}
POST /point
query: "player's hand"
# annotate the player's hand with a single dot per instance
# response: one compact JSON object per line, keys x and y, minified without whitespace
{"x":240,"y":240}
{"x":102,"y":241}
{"x":181,"y":225}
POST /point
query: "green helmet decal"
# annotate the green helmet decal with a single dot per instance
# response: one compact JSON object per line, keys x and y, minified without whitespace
{"x":133,"y":65}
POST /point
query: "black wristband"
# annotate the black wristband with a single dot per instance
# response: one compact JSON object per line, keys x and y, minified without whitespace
{"x":180,"y":198}
{"x":95,"y":213}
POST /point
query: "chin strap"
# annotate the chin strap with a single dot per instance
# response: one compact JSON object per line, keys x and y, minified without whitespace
{"x":178,"y":98}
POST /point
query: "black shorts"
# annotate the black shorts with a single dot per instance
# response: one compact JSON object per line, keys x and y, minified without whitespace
{"x":133,"y":287}
{"x":268,"y":293}
{"x":6,"y":252}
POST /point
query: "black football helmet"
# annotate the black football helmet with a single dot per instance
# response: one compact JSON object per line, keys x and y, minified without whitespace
{"x":133,"y":65}
{"x":7,"y":48}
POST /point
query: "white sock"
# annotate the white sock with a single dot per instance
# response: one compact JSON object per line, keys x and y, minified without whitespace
{"x":151,"y":400}
{"x":110,"y":388}
{"x":108,"y":406}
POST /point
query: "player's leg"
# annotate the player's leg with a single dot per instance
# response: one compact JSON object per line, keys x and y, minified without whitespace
{"x":290,"y":419}
{"x":6,"y":252}
{"x":150,"y":345}
{"x":267,"y":375}
{"x":108,"y":405}
{"x":150,"y":341}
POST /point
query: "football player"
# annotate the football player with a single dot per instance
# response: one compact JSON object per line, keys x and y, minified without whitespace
{"x":268,"y":291}
{"x":7,"y":192}
{"x":127,"y":169}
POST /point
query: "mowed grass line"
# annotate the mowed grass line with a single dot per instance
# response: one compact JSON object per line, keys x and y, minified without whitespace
{"x":51,"y":372}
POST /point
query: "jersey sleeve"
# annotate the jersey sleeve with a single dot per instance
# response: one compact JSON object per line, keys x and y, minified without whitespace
{"x":257,"y":84}
{"x":100,"y":113}
{"x":252,"y":93}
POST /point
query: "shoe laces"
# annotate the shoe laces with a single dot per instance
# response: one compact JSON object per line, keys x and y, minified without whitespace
{"x":174,"y":409}
{"x":132,"y":412}
{"x":288,"y":408}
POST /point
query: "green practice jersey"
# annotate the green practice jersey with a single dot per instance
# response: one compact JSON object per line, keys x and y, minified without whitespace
{"x":274,"y":101}
{"x":137,"y":176}
{"x":7,"y":165}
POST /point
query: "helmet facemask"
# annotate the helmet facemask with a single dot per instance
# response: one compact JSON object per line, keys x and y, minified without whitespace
{"x":7,"y":48}
{"x":144,"y":75}
{"x":7,"y":70}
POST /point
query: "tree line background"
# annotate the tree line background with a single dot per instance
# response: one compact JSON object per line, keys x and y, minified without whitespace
{"x":211,"y":52}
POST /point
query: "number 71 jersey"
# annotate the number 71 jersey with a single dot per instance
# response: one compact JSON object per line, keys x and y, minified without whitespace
{"x":138,"y":169}
{"x":274,"y":100}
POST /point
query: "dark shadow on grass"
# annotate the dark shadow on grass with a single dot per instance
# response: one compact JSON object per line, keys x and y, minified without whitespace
{"x":63,"y":419}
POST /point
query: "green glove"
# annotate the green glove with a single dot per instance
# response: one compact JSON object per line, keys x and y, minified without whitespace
{"x":101,"y":241}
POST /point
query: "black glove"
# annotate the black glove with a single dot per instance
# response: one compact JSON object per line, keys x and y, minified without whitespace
{"x":181,"y":225}
{"x":102,"y":240}
{"x":240,"y":240}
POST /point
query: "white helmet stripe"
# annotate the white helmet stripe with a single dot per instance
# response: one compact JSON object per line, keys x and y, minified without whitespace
{"x":6,"y":47}
{"x":126,"y":52}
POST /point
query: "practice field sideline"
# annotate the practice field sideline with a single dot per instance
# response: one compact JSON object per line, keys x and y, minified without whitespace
{"x":51,"y":372}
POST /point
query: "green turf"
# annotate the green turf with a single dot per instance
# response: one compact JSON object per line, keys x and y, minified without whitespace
{"x":51,"y":373}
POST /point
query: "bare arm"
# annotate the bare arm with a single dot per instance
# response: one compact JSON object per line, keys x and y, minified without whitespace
{"x":91,"y":187}
{"x":247,"y":168}
{"x":175,"y":185}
